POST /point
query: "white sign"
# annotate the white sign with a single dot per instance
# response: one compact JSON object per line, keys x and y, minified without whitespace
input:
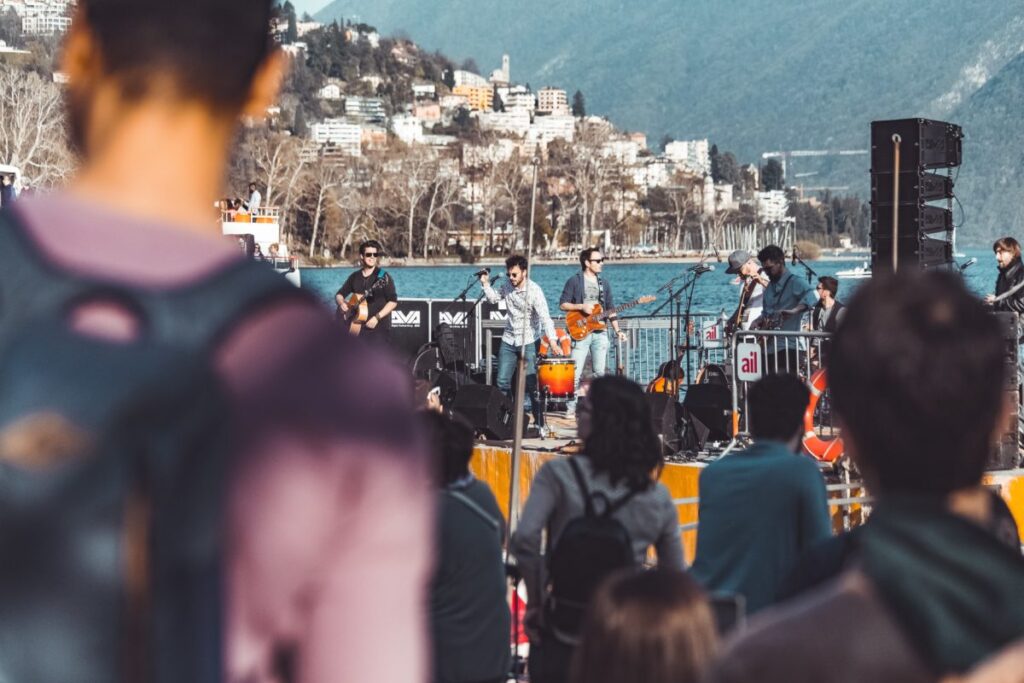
{"x":410,"y":319}
{"x":712,"y":335}
{"x":455,"y":319}
{"x":748,"y":362}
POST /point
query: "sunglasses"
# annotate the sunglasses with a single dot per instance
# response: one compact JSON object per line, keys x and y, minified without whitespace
{"x":597,"y":260}
{"x":371,"y":254}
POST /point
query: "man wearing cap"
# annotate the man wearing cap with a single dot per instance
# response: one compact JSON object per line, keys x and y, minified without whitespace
{"x":754,"y":281}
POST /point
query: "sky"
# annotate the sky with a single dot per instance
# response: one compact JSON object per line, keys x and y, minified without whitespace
{"x":311,"y":6}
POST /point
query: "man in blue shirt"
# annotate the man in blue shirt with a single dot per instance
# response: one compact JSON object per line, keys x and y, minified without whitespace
{"x":786,"y":299}
{"x":761,"y":508}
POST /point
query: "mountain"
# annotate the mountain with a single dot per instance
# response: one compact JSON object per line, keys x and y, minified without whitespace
{"x":752,"y":76}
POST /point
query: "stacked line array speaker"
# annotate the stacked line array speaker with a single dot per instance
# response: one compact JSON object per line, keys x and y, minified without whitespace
{"x":1006,"y":454}
{"x":923,"y":229}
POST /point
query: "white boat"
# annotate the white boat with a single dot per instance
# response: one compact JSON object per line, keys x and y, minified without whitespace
{"x":861,"y":272}
{"x":263,"y":225}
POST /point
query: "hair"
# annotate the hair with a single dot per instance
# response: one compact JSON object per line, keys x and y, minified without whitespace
{"x":1007,"y":244}
{"x":622,"y":442}
{"x":771,"y":253}
{"x":651,"y":626}
{"x":370,"y":243}
{"x":252,"y":185}
{"x":917,"y":370}
{"x":516,"y":261}
{"x":777,"y":404}
{"x":585,"y":256}
{"x":450,"y":440}
{"x":146,"y":44}
{"x":830,"y":283}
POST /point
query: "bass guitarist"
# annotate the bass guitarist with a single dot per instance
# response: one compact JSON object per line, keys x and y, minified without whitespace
{"x":581,"y":293}
{"x":381,"y":299}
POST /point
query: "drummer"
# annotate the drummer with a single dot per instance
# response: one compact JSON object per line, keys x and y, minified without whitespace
{"x":528,"y":321}
{"x":582,"y":292}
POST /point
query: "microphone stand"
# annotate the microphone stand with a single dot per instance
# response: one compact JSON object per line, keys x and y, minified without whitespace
{"x":810,"y":271}
{"x":675,"y":302}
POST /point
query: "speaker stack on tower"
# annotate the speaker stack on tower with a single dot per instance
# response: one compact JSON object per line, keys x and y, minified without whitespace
{"x":906,"y":225}
{"x":1006,"y":455}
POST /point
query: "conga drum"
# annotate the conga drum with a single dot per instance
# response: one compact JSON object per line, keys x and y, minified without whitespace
{"x":556,"y":377}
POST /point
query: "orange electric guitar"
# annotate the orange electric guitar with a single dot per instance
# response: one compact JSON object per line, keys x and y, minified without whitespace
{"x":358,"y":309}
{"x":579,"y":325}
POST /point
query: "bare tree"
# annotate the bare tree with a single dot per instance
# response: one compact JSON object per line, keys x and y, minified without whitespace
{"x":590,"y":172}
{"x":33,"y":133}
{"x":512,"y":181}
{"x":323,"y":177}
{"x":443,"y":197}
{"x":414,"y":182}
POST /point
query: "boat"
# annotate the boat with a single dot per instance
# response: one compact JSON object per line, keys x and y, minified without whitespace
{"x":262,"y":228}
{"x":861,"y":272}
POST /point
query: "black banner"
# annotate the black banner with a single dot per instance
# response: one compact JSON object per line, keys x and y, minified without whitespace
{"x":461,"y":319}
{"x":410,"y":326}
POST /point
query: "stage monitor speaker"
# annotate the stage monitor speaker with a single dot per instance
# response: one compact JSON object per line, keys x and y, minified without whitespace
{"x":487,"y":409}
{"x":665,"y":418}
{"x":708,"y":410}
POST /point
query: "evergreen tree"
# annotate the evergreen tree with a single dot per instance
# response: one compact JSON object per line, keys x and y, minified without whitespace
{"x":292,"y":33}
{"x":579,"y":105}
{"x":448,"y":78}
{"x":300,"y":128}
{"x":772,"y":177}
{"x":716,"y":172}
{"x":666,"y":140}
{"x":497,"y":105}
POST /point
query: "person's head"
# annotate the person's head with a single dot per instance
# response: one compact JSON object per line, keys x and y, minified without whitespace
{"x":450,"y":440}
{"x":773,"y":259}
{"x":252,"y":187}
{"x":592,"y":260}
{"x":1007,"y":250}
{"x":275,"y":248}
{"x":6,"y":180}
{"x":742,"y":262}
{"x":615,"y":425}
{"x":651,"y":626}
{"x":370,"y":253}
{"x":827,"y":288}
{"x":516,"y":269}
{"x":777,"y":404}
{"x":128,"y":56}
{"x":917,"y":371}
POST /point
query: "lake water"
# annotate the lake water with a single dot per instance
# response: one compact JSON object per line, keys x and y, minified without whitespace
{"x":714,"y":291}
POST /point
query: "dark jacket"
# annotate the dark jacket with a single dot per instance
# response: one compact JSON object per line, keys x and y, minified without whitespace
{"x":574,"y":291}
{"x":828,"y":322}
{"x":1007,"y":280}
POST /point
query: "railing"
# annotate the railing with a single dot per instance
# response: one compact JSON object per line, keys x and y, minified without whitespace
{"x":269,"y":214}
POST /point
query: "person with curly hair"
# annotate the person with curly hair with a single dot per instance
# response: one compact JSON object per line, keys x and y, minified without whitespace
{"x":621,"y":457}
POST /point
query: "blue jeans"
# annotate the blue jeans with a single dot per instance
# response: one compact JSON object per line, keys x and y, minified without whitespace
{"x":508,"y":356}
{"x":597,"y":344}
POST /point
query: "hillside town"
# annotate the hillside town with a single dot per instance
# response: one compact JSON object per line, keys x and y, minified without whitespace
{"x":376,"y":138}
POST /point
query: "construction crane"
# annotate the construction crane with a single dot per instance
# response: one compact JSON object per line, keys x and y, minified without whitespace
{"x":797,"y":153}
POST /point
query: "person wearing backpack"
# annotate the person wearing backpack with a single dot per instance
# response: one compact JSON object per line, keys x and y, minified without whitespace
{"x":189,"y":489}
{"x":602,"y":511}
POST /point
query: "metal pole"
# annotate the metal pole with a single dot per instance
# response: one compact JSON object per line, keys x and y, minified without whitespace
{"x":517,"y":438}
{"x":896,"y":140}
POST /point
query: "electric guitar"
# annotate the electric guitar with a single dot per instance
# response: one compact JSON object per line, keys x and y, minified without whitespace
{"x":358,"y":310}
{"x":579,"y":325}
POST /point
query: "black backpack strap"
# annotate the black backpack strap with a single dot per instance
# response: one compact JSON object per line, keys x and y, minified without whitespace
{"x":472,"y":505}
{"x":588,"y":504}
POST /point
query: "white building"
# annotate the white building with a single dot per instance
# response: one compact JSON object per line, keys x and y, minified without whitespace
{"x":654,"y":172}
{"x":518,"y":97}
{"x":772,"y":207}
{"x":552,"y":101}
{"x":469,"y":78}
{"x":424,"y":91}
{"x":331,"y":91}
{"x":496,"y":152}
{"x":452,"y":102}
{"x":304,"y":27}
{"x":695,"y":155}
{"x":624,"y":151}
{"x":339,"y":133}
{"x":366,"y":108}
{"x":546,"y":129}
{"x":408,"y":129}
{"x":503,"y":75}
{"x":515,"y":122}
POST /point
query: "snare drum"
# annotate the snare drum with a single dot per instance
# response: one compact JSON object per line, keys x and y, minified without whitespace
{"x":556,"y":377}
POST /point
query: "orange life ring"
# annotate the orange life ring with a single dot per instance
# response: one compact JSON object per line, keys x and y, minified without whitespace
{"x":826,"y":450}
{"x":564,"y":341}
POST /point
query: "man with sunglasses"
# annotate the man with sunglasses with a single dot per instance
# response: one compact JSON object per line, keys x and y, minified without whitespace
{"x":382,"y":298}
{"x":528,"y":320}
{"x":582,"y":292}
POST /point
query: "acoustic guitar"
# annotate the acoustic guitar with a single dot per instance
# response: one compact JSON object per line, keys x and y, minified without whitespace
{"x":358,"y":309}
{"x":579,"y":325}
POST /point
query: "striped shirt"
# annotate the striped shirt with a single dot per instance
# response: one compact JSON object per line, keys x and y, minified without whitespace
{"x":528,"y":316}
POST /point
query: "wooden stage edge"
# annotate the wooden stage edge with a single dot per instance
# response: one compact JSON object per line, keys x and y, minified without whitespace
{"x":492,"y":463}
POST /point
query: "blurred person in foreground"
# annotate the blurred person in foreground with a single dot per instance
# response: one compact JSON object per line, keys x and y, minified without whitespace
{"x":328,"y":510}
{"x":762,"y":507}
{"x":470,"y":619}
{"x":917,"y":375}
{"x":651,"y":626}
{"x":617,"y":472}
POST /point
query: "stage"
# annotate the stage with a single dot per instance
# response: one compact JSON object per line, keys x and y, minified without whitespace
{"x":492,"y":463}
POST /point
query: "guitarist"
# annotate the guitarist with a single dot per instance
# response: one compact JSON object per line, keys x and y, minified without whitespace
{"x":381,"y":300}
{"x":786,"y":299}
{"x":581,"y":293}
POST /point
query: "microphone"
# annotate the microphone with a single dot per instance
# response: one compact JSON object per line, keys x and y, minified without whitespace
{"x":702,"y":268}
{"x":968,"y":263}
{"x":480,"y":273}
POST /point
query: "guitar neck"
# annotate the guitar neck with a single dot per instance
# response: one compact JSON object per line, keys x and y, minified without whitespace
{"x":619,"y":309}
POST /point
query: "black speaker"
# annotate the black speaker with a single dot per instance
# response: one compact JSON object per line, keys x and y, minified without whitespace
{"x":487,"y":409}
{"x":924,"y":144}
{"x":665,"y":417}
{"x":708,"y":410}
